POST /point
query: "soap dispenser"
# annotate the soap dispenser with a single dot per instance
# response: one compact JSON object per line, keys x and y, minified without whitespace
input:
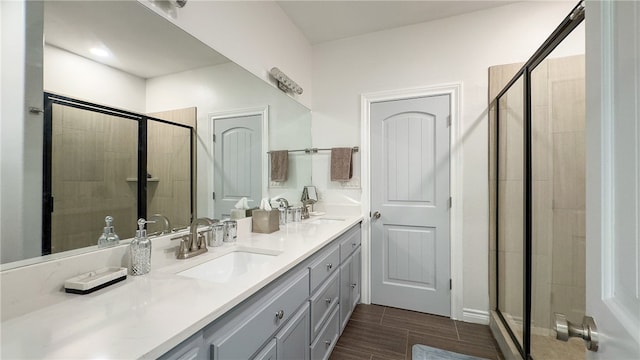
{"x":108,"y":237}
{"x":140,"y":250}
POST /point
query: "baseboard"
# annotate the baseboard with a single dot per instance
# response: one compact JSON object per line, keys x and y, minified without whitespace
{"x":475,"y":316}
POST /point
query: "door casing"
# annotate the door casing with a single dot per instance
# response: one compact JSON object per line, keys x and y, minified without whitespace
{"x":454,"y":90}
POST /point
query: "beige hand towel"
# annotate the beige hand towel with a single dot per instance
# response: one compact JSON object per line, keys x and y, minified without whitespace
{"x":341,"y":164}
{"x":279,"y":165}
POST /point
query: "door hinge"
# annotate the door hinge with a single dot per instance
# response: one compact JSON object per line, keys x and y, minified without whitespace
{"x":450,"y":284}
{"x":214,"y":137}
{"x":448,"y":120}
{"x":450,"y":202}
{"x":213,"y":196}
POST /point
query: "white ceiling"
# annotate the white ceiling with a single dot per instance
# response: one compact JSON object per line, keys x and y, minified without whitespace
{"x":322,"y":21}
{"x":144,"y":44}
{"x":140,"y":42}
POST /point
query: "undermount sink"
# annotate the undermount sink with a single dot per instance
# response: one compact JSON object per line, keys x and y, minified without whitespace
{"x":229,"y":266}
{"x":322,"y":221}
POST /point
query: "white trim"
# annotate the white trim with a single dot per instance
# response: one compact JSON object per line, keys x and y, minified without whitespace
{"x":475,"y":316}
{"x":454,"y":90}
{"x":263,"y":111}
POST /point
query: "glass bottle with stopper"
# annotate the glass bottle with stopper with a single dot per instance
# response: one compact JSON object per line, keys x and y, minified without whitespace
{"x":108,"y":237}
{"x":141,"y":250}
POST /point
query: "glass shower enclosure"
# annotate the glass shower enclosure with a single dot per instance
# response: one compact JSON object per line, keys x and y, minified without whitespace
{"x":537,"y":179}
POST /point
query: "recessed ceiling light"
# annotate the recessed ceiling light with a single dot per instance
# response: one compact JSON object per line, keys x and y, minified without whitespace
{"x":99,"y":52}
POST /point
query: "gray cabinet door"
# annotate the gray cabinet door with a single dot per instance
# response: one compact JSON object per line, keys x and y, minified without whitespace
{"x":190,"y":349}
{"x":345,"y":292}
{"x":293,"y":339}
{"x":268,"y":352}
{"x":355,"y":277}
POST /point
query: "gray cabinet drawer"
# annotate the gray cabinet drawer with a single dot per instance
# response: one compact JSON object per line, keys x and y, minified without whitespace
{"x":321,"y":348}
{"x":262,"y":322}
{"x":325,"y":299}
{"x":349,"y":241}
{"x":325,"y":265}
{"x":268,"y":352}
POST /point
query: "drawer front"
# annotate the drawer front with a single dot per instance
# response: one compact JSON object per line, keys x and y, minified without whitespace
{"x":268,"y":352}
{"x":327,"y":263}
{"x":349,"y":242}
{"x":325,"y":299}
{"x":321,"y":348}
{"x":248,"y":337}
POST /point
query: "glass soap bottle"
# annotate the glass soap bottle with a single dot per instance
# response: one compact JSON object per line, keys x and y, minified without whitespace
{"x":108,"y":237}
{"x":140,"y":251}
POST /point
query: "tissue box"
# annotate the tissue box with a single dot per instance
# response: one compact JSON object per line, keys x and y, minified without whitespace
{"x":244,"y":227}
{"x":265,"y":221}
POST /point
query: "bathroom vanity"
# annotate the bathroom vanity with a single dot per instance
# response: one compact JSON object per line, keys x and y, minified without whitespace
{"x":288,"y":293}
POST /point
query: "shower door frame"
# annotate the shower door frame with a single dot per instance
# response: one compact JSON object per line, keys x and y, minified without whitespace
{"x":570,"y":22}
{"x":141,"y":173}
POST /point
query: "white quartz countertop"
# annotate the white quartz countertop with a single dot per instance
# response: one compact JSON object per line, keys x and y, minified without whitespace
{"x":146,"y":316}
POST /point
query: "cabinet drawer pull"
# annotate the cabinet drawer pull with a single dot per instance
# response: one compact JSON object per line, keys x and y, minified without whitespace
{"x":327,"y":342}
{"x":329,"y":266}
{"x":328,"y":300}
{"x":280,"y":314}
{"x":353,"y":286}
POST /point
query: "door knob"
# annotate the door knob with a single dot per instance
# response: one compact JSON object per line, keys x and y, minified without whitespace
{"x":586,"y":331}
{"x":376,"y":215}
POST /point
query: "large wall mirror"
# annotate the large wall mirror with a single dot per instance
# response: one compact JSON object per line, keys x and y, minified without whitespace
{"x":123,"y":55}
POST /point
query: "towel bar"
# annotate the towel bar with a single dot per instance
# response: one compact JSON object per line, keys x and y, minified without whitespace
{"x":315,"y":150}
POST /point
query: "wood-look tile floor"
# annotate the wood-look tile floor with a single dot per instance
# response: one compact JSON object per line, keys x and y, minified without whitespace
{"x":377,"y":332}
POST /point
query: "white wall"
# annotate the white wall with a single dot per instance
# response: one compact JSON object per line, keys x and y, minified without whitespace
{"x":229,"y":87}
{"x":454,"y":49}
{"x":71,"y":75}
{"x":256,"y":35}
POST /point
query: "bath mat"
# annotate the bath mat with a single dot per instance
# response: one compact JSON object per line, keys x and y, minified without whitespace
{"x":423,"y":352}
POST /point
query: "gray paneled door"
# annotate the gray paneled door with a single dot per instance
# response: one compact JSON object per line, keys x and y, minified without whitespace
{"x":410,"y":191}
{"x":238,"y":162}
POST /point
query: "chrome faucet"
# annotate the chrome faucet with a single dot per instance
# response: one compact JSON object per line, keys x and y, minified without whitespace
{"x":282,"y":203}
{"x":166,"y":229}
{"x":193,"y":244}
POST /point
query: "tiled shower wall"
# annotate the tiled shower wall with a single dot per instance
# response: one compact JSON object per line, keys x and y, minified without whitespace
{"x":93,"y":155}
{"x":94,"y":173}
{"x":558,"y":105}
{"x":168,"y":160}
{"x":558,"y":101}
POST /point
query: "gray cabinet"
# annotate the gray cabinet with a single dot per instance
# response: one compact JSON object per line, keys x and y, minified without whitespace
{"x":322,"y":302}
{"x":248,"y":327}
{"x":292,"y":340}
{"x":350,"y":274}
{"x":356,"y":277}
{"x":298,"y":316}
{"x":323,"y":345}
{"x":191,"y":349}
{"x":268,"y":352}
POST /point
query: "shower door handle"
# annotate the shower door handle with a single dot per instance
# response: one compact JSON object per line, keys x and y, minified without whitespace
{"x":586,"y":331}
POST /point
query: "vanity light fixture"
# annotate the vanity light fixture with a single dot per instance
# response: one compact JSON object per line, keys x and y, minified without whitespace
{"x":284,"y":82}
